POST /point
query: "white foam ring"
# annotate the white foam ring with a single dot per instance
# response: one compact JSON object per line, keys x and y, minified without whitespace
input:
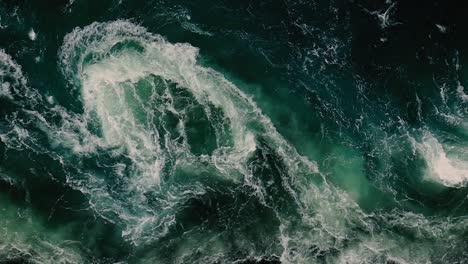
{"x":106,"y":77}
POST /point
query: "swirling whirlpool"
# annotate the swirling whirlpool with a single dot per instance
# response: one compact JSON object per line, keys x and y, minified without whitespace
{"x":163,"y":159}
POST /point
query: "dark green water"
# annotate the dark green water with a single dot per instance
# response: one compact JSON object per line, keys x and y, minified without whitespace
{"x":233,"y":131}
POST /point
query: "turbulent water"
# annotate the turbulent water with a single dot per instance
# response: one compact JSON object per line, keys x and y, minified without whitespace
{"x":233,"y":131}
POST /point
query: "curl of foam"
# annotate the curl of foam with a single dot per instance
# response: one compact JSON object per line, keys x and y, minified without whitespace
{"x":442,"y":167}
{"x":108,"y":60}
{"x":174,"y":62}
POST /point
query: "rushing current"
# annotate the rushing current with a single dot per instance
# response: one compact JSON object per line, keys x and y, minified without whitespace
{"x":245,"y":132}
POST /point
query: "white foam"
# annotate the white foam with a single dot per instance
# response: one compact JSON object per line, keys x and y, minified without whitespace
{"x":383,"y":17}
{"x":449,"y":170}
{"x":192,"y":27}
{"x":441,"y":28}
{"x":461,"y":93}
{"x":13,"y":84}
{"x":32,"y":34}
{"x":50,"y":99}
{"x":5,"y":90}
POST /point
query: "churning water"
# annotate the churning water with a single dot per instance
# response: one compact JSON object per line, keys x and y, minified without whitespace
{"x":243,"y":132}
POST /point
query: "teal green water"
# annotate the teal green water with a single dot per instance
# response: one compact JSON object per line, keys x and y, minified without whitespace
{"x":233,"y":132}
